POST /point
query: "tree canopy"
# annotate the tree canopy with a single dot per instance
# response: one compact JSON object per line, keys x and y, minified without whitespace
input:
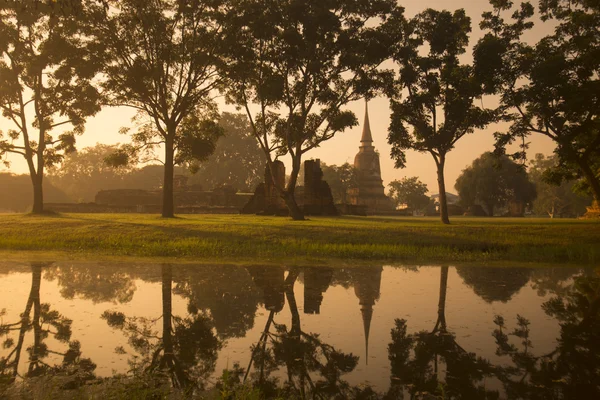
{"x":555,"y":197}
{"x":162,"y":59}
{"x":297,"y":63}
{"x":409,"y":191}
{"x":438,"y":108}
{"x":47,"y":67}
{"x":552,"y":87}
{"x":494,"y":182}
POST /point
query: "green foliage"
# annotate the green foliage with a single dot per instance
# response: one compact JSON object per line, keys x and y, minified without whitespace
{"x":162,"y":59}
{"x":340,"y":179}
{"x":298,"y":62}
{"x":410,"y":192}
{"x":494,"y":181}
{"x":237,"y":160}
{"x":555,"y":196}
{"x":549,"y":88}
{"x":47,"y":69}
{"x":439,"y":108}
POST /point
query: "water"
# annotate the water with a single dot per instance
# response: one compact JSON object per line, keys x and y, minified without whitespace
{"x":417,"y":332}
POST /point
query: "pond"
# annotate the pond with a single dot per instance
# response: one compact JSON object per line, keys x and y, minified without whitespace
{"x":356,"y":332}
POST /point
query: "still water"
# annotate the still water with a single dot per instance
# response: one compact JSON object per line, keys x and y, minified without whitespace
{"x":360,"y":332}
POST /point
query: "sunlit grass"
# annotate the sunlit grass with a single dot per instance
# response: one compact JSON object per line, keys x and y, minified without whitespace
{"x":348,"y":238}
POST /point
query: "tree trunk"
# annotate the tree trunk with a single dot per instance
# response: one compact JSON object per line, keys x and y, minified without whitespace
{"x":441,"y":319}
{"x":38,"y":194}
{"x":591,"y":178}
{"x":289,"y":197}
{"x":167,"y":305}
{"x":290,"y":201}
{"x":168,"y":207}
{"x":442,"y":189}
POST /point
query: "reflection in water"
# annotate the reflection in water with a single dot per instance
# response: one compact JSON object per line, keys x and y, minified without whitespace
{"x":44,"y":322}
{"x":474,"y":332}
{"x":185,"y":351}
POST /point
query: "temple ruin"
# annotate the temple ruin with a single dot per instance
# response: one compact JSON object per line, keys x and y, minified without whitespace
{"x":370,"y":191}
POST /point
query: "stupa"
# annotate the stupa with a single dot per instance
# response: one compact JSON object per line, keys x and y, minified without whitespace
{"x":370,"y":191}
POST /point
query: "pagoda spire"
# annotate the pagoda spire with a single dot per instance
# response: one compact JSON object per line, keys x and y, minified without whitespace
{"x":367,"y":315}
{"x":367,"y":138}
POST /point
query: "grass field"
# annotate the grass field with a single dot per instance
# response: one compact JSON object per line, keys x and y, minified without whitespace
{"x":258,"y":239}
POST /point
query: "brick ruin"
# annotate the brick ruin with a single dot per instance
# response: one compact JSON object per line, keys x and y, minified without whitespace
{"x":314,"y":197}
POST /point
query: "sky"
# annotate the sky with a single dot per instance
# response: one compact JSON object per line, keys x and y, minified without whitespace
{"x":104,"y":127}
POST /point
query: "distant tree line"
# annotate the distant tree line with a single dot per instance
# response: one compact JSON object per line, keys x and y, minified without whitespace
{"x":292,"y":66}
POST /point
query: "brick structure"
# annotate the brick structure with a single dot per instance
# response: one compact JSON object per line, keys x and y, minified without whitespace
{"x":318,"y":199}
{"x":369,"y":191}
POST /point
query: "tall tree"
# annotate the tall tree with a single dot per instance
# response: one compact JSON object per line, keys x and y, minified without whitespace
{"x":494,"y":182}
{"x":410,"y":191}
{"x":46,"y":72}
{"x":555,"y":197}
{"x":440,"y":91}
{"x":552,"y":87}
{"x":162,"y":60}
{"x":297,"y":64}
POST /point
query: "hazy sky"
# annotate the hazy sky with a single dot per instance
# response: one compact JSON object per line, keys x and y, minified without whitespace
{"x":103,"y":128}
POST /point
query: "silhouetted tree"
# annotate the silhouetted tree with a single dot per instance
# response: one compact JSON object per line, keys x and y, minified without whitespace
{"x":297,"y":63}
{"x":237,"y":161}
{"x":162,"y":59}
{"x":439,"y":105}
{"x":552,"y":87}
{"x":46,"y":71}
{"x":409,"y":191}
{"x":494,"y":182}
{"x":555,"y":197}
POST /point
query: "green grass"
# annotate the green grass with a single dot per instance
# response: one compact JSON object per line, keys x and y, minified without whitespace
{"x":258,"y":239}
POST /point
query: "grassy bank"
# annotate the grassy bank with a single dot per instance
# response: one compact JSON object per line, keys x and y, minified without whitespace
{"x":236,"y":237}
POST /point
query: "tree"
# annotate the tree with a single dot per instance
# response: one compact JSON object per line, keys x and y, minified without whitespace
{"x":237,"y":160}
{"x":297,"y":64}
{"x":81,"y":174}
{"x":551,"y":88}
{"x":186,"y":352}
{"x":340,"y":179}
{"x":555,"y":197}
{"x":494,"y":182}
{"x":409,"y":191}
{"x":162,"y":60}
{"x":17,"y":193}
{"x":439,"y":105}
{"x":44,"y":323}
{"x":46,"y":72}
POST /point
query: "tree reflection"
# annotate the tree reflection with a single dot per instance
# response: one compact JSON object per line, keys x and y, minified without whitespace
{"x":431,"y":363}
{"x":226,"y":292}
{"x":572,"y":369}
{"x":44,"y":322}
{"x":495,"y":283}
{"x":95,"y":283}
{"x":185,"y":352}
{"x":312,"y":367}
